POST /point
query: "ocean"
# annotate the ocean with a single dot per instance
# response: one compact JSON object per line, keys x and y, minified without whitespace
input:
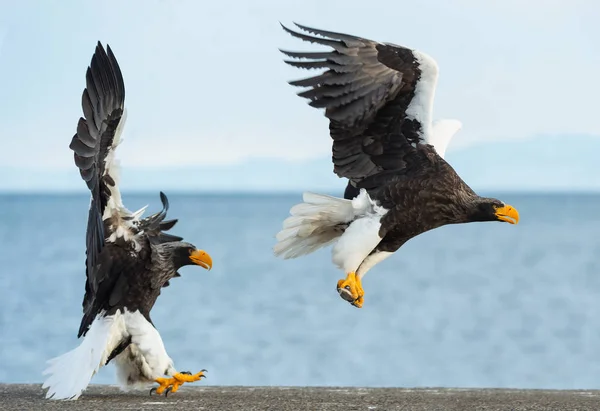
{"x":474,"y":305}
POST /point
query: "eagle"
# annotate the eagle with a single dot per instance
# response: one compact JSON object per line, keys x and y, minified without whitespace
{"x":378,"y":98}
{"x":129,"y":259}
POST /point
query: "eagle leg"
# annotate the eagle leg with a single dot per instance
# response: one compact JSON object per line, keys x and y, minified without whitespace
{"x":351,"y":289}
{"x":171,"y":385}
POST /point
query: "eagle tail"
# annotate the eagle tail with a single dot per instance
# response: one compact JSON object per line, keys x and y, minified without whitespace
{"x":315,"y":223}
{"x":71,"y":373}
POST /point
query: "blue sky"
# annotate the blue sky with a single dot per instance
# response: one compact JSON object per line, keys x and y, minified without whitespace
{"x":206,"y":84}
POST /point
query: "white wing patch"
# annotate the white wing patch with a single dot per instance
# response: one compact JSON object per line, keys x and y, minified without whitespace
{"x":421,"y":105}
{"x":111,"y":168}
{"x":122,"y":219}
{"x":442,"y":133}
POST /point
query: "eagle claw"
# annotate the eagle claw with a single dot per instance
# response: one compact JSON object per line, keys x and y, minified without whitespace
{"x":172,"y":384}
{"x":351,"y":290}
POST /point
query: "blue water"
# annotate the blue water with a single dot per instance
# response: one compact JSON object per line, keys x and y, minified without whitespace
{"x":475,"y":305}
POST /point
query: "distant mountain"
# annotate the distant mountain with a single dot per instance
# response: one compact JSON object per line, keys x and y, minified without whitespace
{"x":552,"y":163}
{"x":548,"y":163}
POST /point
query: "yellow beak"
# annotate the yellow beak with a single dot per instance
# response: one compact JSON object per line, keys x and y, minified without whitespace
{"x":201,"y":258}
{"x":508,"y":214}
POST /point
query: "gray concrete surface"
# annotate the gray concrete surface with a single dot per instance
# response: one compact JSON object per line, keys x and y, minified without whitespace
{"x":31,"y":397}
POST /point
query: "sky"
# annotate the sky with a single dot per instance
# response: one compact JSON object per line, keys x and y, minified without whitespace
{"x":206,"y":84}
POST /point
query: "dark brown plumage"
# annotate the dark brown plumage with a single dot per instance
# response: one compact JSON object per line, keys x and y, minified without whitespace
{"x":130,"y":273}
{"x":378,"y":98}
{"x":128,"y":258}
{"x":127,"y":272}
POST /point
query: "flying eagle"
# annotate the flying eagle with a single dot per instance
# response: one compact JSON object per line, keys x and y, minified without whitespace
{"x":378,"y":98}
{"x":129,"y":258}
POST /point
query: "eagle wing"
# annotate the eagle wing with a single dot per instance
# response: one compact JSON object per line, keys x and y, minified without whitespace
{"x":94,"y":144}
{"x":98,"y":134}
{"x":378,"y":98}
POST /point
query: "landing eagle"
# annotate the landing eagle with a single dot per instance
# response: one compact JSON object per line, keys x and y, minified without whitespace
{"x":129,"y":258}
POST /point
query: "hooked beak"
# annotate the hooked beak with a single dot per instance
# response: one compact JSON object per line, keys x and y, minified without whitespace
{"x":201,"y":258}
{"x":508,"y":214}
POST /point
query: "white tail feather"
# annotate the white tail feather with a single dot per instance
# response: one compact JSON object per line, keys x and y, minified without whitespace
{"x":71,"y":373}
{"x":317,"y":222}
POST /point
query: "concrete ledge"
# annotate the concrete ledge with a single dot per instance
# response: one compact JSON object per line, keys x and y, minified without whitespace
{"x":98,"y":397}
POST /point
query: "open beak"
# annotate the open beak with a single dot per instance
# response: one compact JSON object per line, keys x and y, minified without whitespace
{"x":201,"y":258}
{"x":508,"y":214}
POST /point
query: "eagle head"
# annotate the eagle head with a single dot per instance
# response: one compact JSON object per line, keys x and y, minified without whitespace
{"x":183,"y":254}
{"x":491,"y":209}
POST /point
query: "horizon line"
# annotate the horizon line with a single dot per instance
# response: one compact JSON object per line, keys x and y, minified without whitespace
{"x":75,"y":192}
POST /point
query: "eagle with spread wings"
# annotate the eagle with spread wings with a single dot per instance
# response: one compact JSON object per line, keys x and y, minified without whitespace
{"x":129,"y":258}
{"x":378,"y":98}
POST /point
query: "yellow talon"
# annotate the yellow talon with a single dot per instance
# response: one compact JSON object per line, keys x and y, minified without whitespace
{"x":351,"y":289}
{"x":171,"y":385}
